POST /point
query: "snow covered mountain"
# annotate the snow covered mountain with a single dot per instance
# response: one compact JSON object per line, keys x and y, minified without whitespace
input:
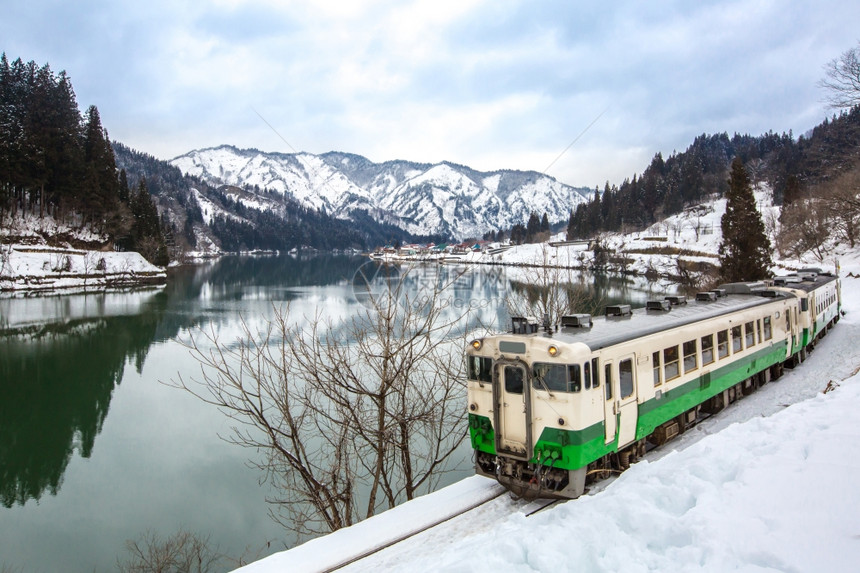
{"x":421,"y":198}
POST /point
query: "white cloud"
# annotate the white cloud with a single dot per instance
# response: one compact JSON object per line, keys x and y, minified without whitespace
{"x":503,"y":84}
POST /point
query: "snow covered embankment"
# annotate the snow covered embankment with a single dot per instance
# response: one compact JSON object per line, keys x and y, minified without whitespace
{"x":764,"y":485}
{"x":43,"y":268}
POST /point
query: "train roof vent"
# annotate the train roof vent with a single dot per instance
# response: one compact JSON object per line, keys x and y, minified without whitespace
{"x":708,"y":296}
{"x":658,"y":305}
{"x":576,"y":321}
{"x":810,"y":271}
{"x":720,"y":292}
{"x":769,"y":293}
{"x":524,"y":324}
{"x":752,"y":287}
{"x":790,"y":279}
{"x":675,"y":300}
{"x":618,"y":310}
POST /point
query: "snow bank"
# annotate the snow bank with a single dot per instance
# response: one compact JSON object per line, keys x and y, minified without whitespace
{"x":42,"y":268}
{"x":763,"y":486}
{"x":337,"y":549}
{"x":777,"y":493}
{"x":692,"y":236}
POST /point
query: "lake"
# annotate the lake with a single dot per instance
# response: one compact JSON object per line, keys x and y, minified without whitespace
{"x":95,"y":448}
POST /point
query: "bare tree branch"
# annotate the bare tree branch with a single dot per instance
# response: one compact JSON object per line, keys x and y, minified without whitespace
{"x":353,"y":416}
{"x":842,"y":80}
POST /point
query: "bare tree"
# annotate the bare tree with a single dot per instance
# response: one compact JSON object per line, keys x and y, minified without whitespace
{"x":842,"y":199}
{"x":693,"y":276}
{"x":550,"y":289}
{"x":842,"y":79}
{"x":182,"y":552}
{"x":771,"y":227}
{"x":353,"y":416}
{"x":804,"y":229}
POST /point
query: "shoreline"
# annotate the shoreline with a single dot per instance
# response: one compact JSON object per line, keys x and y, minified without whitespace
{"x":29,"y":270}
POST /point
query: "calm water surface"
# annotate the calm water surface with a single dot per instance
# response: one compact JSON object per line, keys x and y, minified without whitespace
{"x":95,"y":450}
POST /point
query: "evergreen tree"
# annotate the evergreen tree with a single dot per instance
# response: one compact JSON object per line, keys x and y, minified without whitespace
{"x":147,"y":237}
{"x":124,"y":190}
{"x":518,"y":234}
{"x":745,"y":248}
{"x":544,"y":223}
{"x":532,"y":228}
{"x":102,"y":183}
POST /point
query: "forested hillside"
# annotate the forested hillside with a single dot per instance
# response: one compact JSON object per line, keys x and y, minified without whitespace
{"x":57,"y":163}
{"x":239,"y":220}
{"x":794,"y":168}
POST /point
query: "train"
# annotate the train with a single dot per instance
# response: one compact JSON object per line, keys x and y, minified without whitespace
{"x":552,"y":408}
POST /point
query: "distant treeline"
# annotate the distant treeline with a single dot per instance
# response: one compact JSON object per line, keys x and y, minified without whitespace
{"x":793,"y":168}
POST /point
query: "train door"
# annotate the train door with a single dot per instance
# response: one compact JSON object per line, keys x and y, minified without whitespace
{"x":628,"y":409}
{"x":794,"y":328}
{"x":620,"y":409}
{"x":513,"y":405}
{"x":611,"y":420}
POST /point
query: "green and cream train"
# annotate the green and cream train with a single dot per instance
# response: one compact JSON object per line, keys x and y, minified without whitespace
{"x":553,"y":407}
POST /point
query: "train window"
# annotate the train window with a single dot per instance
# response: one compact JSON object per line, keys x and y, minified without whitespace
{"x":707,"y":349}
{"x":514,"y":379}
{"x":607,"y":379}
{"x":749,"y":334}
{"x":586,"y":375}
{"x":594,"y":368}
{"x":723,"y":343}
{"x":574,"y":379}
{"x":768,"y":331}
{"x":758,"y":329}
{"x":480,"y":368}
{"x":655,"y":358}
{"x":574,"y":382}
{"x":625,"y":378}
{"x":804,"y":304}
{"x":555,"y":377}
{"x":670,"y":362}
{"x":690,"y":356}
{"x":737,"y":342}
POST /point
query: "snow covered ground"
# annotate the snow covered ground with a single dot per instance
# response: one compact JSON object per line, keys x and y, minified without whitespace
{"x":26,"y":269}
{"x":772,"y":483}
{"x":691,"y":236}
{"x":28,"y":264}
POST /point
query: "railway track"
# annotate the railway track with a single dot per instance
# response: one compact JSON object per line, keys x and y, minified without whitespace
{"x":524,"y":506}
{"x":494,"y":494}
{"x":527,"y":507}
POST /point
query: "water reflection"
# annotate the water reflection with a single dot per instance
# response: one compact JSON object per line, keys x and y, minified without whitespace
{"x":62,"y":364}
{"x":62,"y":356}
{"x":60,"y":360}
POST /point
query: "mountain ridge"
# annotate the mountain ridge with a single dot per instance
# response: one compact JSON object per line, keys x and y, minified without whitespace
{"x":444,"y":198}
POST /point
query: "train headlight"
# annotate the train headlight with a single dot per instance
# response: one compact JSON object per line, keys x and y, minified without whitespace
{"x":473,"y":406}
{"x":477,"y":344}
{"x":553,"y":351}
{"x":561,"y":421}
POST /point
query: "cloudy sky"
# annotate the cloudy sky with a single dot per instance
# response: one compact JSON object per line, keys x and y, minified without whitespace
{"x":490,"y":84}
